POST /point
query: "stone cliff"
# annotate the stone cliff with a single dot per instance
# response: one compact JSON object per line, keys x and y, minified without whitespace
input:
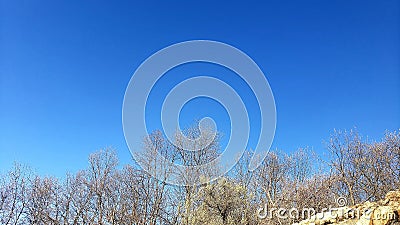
{"x":383,"y":212}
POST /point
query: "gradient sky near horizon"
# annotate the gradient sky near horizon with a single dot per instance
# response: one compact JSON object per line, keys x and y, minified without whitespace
{"x":64,"y":67}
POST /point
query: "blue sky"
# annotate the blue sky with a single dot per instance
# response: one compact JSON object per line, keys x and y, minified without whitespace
{"x":64,"y":67}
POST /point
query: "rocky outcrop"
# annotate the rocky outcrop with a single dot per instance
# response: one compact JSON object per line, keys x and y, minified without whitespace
{"x":383,"y":212}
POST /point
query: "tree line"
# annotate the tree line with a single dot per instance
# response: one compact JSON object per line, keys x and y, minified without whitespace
{"x":103,"y":193}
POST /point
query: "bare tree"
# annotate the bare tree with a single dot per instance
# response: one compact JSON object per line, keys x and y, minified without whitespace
{"x":342,"y":145}
{"x":364,"y":170}
{"x":100,"y":174}
{"x":194,"y":149}
{"x":45,"y":201}
{"x":14,"y":196}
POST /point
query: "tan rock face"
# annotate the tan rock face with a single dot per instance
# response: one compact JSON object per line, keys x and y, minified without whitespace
{"x":384,"y":212}
{"x":393,"y":196}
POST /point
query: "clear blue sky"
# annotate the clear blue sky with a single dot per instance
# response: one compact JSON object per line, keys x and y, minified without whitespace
{"x":64,"y":67}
